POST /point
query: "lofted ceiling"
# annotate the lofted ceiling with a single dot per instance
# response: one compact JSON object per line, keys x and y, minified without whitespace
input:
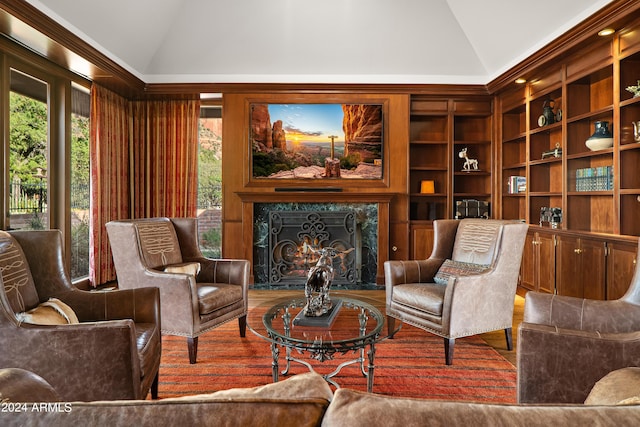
{"x":304,"y":41}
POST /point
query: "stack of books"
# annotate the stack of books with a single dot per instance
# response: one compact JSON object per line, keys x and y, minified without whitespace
{"x":594,"y":179}
{"x":517,"y":184}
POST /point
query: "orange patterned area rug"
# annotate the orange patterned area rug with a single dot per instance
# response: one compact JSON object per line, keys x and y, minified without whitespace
{"x":410,"y":365}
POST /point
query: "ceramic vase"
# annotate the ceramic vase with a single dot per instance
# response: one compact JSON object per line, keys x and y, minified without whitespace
{"x":601,"y":138}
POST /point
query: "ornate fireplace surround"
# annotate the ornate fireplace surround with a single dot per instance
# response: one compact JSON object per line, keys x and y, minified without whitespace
{"x":346,"y":200}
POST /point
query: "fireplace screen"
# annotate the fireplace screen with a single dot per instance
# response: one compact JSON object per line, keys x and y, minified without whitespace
{"x":293,"y":236}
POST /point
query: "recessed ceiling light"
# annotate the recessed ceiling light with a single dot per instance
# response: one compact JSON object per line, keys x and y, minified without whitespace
{"x":521,"y":80}
{"x":606,"y":32}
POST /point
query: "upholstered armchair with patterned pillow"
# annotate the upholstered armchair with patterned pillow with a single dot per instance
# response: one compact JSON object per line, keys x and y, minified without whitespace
{"x":197,"y":294}
{"x":466,"y":287}
{"x":86,"y":345}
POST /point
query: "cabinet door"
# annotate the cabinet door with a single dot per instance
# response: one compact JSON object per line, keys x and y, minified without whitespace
{"x":546,"y":266}
{"x":421,"y":241}
{"x":528,"y":267}
{"x":568,"y":276}
{"x":621,"y":264}
{"x":593,"y":268}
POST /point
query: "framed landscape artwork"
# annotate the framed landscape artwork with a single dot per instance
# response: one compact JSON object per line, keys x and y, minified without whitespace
{"x":316,"y":141}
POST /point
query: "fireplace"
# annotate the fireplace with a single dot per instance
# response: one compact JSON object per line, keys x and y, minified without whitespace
{"x":371,"y":212}
{"x":286,"y":236}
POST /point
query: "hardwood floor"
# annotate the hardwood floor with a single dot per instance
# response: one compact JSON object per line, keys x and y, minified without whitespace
{"x":495,"y":339}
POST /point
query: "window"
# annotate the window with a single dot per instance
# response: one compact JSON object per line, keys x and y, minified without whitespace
{"x":28,"y":145}
{"x":210,"y":181}
{"x":80,"y":173}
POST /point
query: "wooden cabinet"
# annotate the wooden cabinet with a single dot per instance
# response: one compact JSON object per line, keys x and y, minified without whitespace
{"x":421,"y":240}
{"x":581,"y":267}
{"x":621,"y":265}
{"x":538,"y":271}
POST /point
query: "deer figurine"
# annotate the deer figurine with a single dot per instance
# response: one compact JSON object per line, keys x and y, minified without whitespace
{"x":468,"y":163}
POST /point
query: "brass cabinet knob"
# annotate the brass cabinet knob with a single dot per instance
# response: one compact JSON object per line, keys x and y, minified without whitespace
{"x":394,"y":248}
{"x":578,"y":251}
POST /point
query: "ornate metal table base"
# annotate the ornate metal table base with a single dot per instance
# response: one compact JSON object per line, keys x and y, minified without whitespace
{"x":356,"y":329}
{"x":323,"y":353}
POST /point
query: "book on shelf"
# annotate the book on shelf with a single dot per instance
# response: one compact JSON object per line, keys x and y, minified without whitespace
{"x":517,"y":184}
{"x":594,"y":179}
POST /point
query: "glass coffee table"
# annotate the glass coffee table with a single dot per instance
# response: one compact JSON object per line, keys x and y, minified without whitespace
{"x":357,"y":327}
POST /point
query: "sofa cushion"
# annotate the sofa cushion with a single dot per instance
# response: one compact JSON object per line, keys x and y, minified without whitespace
{"x":190,"y":268}
{"x":356,"y":408}
{"x":619,"y":387}
{"x":52,"y":312}
{"x":158,"y":242}
{"x":16,"y":276}
{"x":300,"y":400}
{"x":450,"y":268}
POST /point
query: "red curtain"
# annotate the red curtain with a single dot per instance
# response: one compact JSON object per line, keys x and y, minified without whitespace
{"x":165,"y":158}
{"x":144,"y":160}
{"x":109,"y":157}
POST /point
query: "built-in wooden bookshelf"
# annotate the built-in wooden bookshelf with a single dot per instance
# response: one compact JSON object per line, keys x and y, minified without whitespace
{"x":601,"y":223}
{"x":440,"y":129}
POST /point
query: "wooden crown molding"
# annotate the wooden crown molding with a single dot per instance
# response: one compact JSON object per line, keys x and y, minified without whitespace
{"x":62,"y":43}
{"x":616,"y":14}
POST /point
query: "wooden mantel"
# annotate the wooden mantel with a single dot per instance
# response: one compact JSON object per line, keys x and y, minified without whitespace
{"x":313,"y":196}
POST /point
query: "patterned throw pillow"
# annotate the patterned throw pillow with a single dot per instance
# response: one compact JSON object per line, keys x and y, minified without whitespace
{"x":450,"y":268}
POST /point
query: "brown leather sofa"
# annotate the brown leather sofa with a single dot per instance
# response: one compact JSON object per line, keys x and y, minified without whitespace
{"x":151,"y":251}
{"x":304,"y":400}
{"x":111,"y":349}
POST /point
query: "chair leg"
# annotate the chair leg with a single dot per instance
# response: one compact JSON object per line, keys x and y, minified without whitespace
{"x":391,"y":324}
{"x":448,"y":350}
{"x":192,"y":344}
{"x":242,"y":322}
{"x":154,"y":387}
{"x":509,"y":336}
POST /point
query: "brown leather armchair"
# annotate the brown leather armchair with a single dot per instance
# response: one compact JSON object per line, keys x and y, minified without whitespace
{"x":567,"y":344}
{"x":191,"y":304}
{"x":478,"y":298}
{"x":113,"y":353}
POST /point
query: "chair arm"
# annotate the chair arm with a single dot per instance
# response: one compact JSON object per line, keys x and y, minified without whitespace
{"x":411,"y":271}
{"x":478,"y":303}
{"x":581,"y":314}
{"x":558,"y":365}
{"x":86,"y":361}
{"x":142,"y":305}
{"x":224,"y":270}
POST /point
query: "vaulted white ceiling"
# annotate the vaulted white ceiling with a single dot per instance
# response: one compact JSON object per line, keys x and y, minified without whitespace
{"x":310,"y":41}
